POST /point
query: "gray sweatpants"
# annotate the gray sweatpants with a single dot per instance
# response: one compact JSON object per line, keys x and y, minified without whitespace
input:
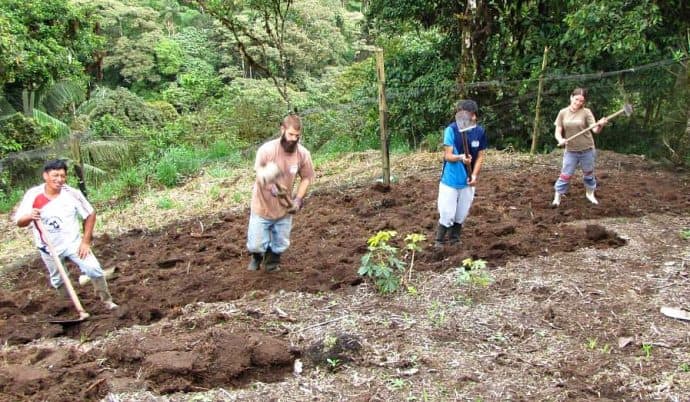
{"x":454,"y":204}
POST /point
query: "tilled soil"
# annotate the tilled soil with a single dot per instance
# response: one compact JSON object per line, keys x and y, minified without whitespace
{"x":160,"y":273}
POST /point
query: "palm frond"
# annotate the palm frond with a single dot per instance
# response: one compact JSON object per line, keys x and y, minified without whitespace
{"x":60,"y":95}
{"x":46,"y":119}
{"x":106,"y":152}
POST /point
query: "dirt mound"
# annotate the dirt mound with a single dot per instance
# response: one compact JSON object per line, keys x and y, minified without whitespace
{"x":204,"y":260}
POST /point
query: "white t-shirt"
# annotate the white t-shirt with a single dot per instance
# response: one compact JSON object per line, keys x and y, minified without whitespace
{"x":59,"y":215}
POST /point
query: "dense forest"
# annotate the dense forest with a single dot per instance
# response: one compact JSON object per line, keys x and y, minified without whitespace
{"x":147,"y":92}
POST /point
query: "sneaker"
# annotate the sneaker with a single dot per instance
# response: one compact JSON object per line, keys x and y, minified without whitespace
{"x":110,"y":305}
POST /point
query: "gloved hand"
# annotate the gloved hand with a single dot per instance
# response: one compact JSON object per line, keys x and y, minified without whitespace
{"x":268,"y":173}
{"x":297,"y":202}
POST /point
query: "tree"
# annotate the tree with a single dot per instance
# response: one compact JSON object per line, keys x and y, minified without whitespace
{"x":50,"y":41}
{"x":257,"y":26}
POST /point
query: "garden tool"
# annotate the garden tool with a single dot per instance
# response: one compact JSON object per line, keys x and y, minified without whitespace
{"x":83,"y":315}
{"x":464,"y":121}
{"x":589,"y":193}
{"x":268,"y":173}
{"x":627,"y":109}
{"x":284,"y":198}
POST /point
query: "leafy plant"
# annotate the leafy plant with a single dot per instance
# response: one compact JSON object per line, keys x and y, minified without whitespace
{"x":684,"y":367}
{"x":165,"y":203}
{"x":382,"y":262}
{"x":437,"y":314}
{"x":685,"y":234}
{"x":397,"y":383}
{"x":591,"y":343}
{"x":333,"y":363}
{"x":412,"y":241}
{"x":647,"y":349}
{"x":473,"y":274}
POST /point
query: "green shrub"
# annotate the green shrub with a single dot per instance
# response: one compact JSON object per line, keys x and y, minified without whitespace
{"x":175,"y":165}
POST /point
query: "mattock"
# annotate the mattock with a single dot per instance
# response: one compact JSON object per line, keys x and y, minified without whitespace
{"x":83,"y":315}
{"x":627,"y":109}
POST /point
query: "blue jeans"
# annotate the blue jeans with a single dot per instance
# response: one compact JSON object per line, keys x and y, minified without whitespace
{"x":88,"y":266}
{"x":264,"y":233}
{"x":570,"y":161}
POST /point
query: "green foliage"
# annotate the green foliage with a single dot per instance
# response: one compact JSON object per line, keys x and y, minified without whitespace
{"x":123,"y":186}
{"x":685,"y":234}
{"x":254,"y":109}
{"x":473,"y":274}
{"x":647,"y":350}
{"x":175,"y":165}
{"x":18,"y":132}
{"x":125,"y":109}
{"x":9,"y":200}
{"x":169,"y":57}
{"x":165,"y":203}
{"x":46,"y":41}
{"x":382,"y":262}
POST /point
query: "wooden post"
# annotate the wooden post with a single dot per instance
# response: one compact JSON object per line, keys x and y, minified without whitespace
{"x":535,"y":128}
{"x":383,"y":117}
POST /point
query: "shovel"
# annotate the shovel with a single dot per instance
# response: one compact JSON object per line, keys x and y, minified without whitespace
{"x":83,"y":315}
{"x":285,"y":200}
{"x":463,"y":121}
{"x":627,"y":109}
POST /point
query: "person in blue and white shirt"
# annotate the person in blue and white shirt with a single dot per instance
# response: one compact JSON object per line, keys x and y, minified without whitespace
{"x":464,"y":145}
{"x":60,"y":208}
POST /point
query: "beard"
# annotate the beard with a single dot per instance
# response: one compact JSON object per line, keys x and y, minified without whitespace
{"x":288,"y":146}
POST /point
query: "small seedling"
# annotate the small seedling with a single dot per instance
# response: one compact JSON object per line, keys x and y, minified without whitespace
{"x":684,"y":367}
{"x":333,"y":363}
{"x":685,"y":234}
{"x":591,"y":344}
{"x":437,"y":314}
{"x":473,"y":274}
{"x":647,"y":349}
{"x":605,"y":349}
{"x":397,"y":383}
{"x":165,"y":203}
{"x":412,"y":241}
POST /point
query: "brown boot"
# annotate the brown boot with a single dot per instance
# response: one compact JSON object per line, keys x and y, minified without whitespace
{"x":101,"y":288}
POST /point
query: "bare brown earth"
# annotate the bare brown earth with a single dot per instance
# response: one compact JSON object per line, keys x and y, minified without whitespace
{"x":572,"y":312}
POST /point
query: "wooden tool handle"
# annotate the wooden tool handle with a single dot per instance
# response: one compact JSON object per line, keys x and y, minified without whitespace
{"x":62,"y":271}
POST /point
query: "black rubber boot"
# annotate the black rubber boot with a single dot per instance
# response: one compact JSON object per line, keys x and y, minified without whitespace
{"x":440,"y":235}
{"x":271,"y":261}
{"x":455,"y":231}
{"x":255,"y":263}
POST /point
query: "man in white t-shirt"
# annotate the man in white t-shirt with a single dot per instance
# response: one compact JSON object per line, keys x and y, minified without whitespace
{"x":60,"y":209}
